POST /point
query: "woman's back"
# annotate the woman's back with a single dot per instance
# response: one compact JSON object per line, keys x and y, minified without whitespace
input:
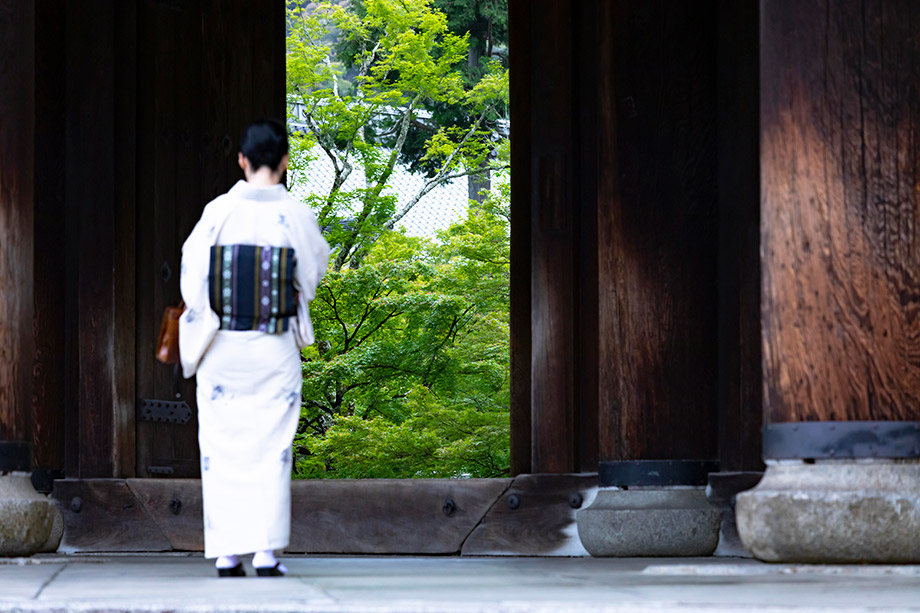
{"x":264,"y":216}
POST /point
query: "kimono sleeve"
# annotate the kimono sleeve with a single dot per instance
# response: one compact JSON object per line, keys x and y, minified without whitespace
{"x":312,"y":261}
{"x":199,"y":323}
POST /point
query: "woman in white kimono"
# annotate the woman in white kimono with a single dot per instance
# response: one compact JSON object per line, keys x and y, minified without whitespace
{"x":249,"y":270}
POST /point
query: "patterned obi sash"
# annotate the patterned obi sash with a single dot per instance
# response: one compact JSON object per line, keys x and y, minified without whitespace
{"x":252,"y":288}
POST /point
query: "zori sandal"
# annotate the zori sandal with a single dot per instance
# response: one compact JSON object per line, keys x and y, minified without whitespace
{"x":233,"y":571}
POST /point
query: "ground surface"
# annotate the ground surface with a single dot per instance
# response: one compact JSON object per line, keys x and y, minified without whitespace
{"x":179,"y":583}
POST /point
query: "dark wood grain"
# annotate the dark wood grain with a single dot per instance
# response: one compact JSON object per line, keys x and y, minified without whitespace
{"x":191,"y":114}
{"x":147,"y":312}
{"x":182,"y":524}
{"x":840,"y":110}
{"x":241,"y":82}
{"x":586,"y":140}
{"x":740,"y":375}
{"x":658,"y":223}
{"x":398,"y":516}
{"x":267,"y":24}
{"x":90,"y":177}
{"x":17,"y":150}
{"x":542,"y":523}
{"x":109,"y":518}
{"x":169,"y":85}
{"x":552,"y":306}
{"x":386,"y":517}
{"x":124,"y":398}
{"x":51,"y":269}
{"x":520,"y":14}
{"x":214,"y":77}
{"x":383,"y":517}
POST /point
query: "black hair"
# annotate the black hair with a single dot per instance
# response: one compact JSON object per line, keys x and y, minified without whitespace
{"x":264,"y":143}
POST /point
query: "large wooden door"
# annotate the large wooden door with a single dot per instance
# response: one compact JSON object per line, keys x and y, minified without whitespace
{"x":205,"y":68}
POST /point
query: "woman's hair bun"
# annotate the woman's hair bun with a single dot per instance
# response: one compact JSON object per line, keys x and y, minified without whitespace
{"x":264,"y":143}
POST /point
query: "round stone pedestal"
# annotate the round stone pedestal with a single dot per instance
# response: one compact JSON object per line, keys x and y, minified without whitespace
{"x":27,"y":518}
{"x":661,"y":522}
{"x":833,"y":511}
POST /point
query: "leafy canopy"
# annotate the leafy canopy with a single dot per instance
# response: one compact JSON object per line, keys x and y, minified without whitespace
{"x":358,"y":81}
{"x":411,"y":376}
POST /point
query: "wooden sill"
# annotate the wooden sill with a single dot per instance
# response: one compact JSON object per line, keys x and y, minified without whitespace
{"x":530,"y":515}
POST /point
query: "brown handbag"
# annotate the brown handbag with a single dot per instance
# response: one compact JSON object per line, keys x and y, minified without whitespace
{"x":168,"y":342}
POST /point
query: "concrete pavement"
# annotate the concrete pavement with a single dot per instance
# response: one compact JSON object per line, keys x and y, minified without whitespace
{"x":187,"y":583}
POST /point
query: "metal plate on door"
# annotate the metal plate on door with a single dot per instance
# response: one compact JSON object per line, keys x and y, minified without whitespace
{"x":166,"y":411}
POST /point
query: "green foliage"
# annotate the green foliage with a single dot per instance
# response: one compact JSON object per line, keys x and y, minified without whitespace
{"x":363,"y":77}
{"x":410,"y":375}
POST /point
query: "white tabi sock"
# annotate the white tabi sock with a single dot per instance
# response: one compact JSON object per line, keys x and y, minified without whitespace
{"x":227,"y":561}
{"x":267,"y":559}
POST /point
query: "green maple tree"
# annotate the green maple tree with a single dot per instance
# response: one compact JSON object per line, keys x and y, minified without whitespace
{"x":409,"y":376}
{"x":406,"y":64}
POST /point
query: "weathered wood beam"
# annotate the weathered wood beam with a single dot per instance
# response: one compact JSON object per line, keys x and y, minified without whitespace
{"x":528,"y":515}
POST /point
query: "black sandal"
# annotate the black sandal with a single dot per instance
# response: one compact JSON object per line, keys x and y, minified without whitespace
{"x":270,"y":571}
{"x":233,"y":571}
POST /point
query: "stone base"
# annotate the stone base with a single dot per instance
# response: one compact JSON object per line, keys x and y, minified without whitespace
{"x":639,"y":522}
{"x":722,"y":490}
{"x":57,"y":532}
{"x":834,"y":511}
{"x":26,"y":517}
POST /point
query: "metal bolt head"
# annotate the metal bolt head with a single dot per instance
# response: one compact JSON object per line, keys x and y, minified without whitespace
{"x":513,"y":501}
{"x":576,"y":500}
{"x":76,"y":505}
{"x":175,"y":505}
{"x":449,"y":507}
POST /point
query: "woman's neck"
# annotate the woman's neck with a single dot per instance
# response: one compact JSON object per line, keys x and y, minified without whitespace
{"x":263,"y":177}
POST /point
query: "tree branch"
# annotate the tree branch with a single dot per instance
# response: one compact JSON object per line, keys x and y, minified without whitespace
{"x":444,"y":173}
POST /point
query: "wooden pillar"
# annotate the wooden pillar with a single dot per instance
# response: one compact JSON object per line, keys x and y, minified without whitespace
{"x":840,"y":166}
{"x":26,"y":518}
{"x":17,"y":120}
{"x":657,"y":231}
{"x":657,"y":263}
{"x":552,"y":290}
{"x":553,"y":238}
{"x":520,"y":35}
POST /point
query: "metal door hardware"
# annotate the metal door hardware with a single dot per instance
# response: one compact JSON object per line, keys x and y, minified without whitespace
{"x":168,"y":411}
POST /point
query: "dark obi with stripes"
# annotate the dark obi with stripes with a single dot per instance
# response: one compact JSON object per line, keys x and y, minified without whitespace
{"x":252,"y":287}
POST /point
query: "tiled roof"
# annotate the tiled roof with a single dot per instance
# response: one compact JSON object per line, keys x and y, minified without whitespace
{"x":437,"y":210}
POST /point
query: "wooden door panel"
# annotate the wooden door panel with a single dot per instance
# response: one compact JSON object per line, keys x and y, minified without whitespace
{"x":197,"y":89}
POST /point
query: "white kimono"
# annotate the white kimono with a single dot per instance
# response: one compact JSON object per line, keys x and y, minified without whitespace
{"x":249,"y":382}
